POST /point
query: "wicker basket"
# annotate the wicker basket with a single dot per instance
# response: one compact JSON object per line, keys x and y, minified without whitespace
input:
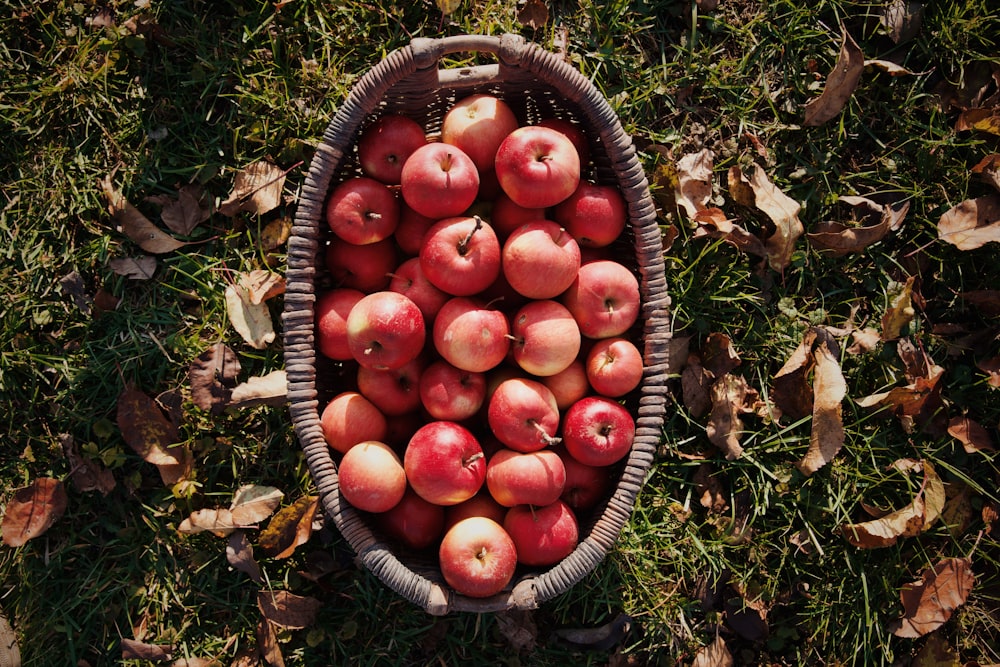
{"x":536,"y":84}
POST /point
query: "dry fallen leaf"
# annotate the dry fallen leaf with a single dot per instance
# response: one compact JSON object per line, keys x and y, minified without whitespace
{"x":600,"y":638}
{"x":289,"y":528}
{"x":791,"y":392}
{"x":151,"y":435}
{"x":865,"y":340}
{"x":261,"y":285}
{"x":901,"y":19}
{"x":86,"y":474}
{"x":239,"y":554}
{"x":930,"y":602}
{"x":136,"y":650}
{"x":181,"y":214}
{"x":212,"y":376}
{"x":915,"y":518}
{"x":267,"y":644}
{"x":971,"y":224}
{"x":10,"y":653}
{"x":534,"y":14}
{"x":287,"y":610}
{"x":275,"y":234}
{"x":695,"y":383}
{"x":518,"y":628}
{"x":32,"y":510}
{"x":134,"y":224}
{"x":270,"y":389}
{"x":707,"y":483}
{"x":988,"y":169}
{"x":253,"y":503}
{"x":783,"y":212}
{"x":134,"y":268}
{"x":713,"y":223}
{"x":694,"y":181}
{"x":257,"y":189}
{"x":980,"y":119}
{"x":900,"y":312}
{"x":730,"y":395}
{"x":838,"y":238}
{"x":829,"y":390}
{"x":973,"y":436}
{"x":957,"y":512}
{"x":252,"y":321}
{"x":992,"y":368}
{"x":840,"y":84}
{"x":218,"y":521}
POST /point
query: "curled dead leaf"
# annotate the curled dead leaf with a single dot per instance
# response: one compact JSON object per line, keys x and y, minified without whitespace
{"x":973,"y":436}
{"x":183,"y":213}
{"x":713,"y":223}
{"x":86,"y":474}
{"x":837,"y":238}
{"x":929,"y":602}
{"x":901,"y":19}
{"x":791,"y":392}
{"x":134,"y":224}
{"x":134,"y":268}
{"x":887,"y":66}
{"x":261,"y":285}
{"x":979,"y":119}
{"x":712,"y":496}
{"x":136,"y":650}
{"x":32,"y":510}
{"x":212,"y":376}
{"x":218,"y":521}
{"x":275,"y":234}
{"x":972,"y":223}
{"x":253,"y":503}
{"x":909,"y":521}
{"x":829,"y":389}
{"x":257,"y":189}
{"x":784,"y":213}
{"x":694,"y":181}
{"x":534,"y":14}
{"x":270,"y":389}
{"x":287,"y":610}
{"x":992,"y":368}
{"x":251,"y":320}
{"x":900,"y":312}
{"x":239,"y":554}
{"x":840,"y":84}
{"x":267,"y":644}
{"x":10,"y":652}
{"x":152,"y":436}
{"x":988,"y":169}
{"x":730,"y":397}
{"x":290,"y":528}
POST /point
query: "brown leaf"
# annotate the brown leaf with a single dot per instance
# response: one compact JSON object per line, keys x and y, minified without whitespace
{"x":900,"y":312}
{"x":289,"y":528}
{"x":136,"y":650}
{"x":251,"y":321}
{"x":986,"y":300}
{"x":183,"y":213}
{"x":287,"y":610}
{"x":992,"y":368}
{"x":148,"y":432}
{"x":725,"y":428}
{"x":715,"y":654}
{"x":32,"y":510}
{"x":973,"y":436}
{"x":87,"y":474}
{"x":887,"y":66}
{"x":930,"y":602}
{"x":707,"y":483}
{"x":253,"y":503}
{"x":719,"y":355}
{"x":971,"y":224}
{"x":839,"y":239}
{"x":72,"y":285}
{"x":909,"y":521}
{"x":957,"y":512}
{"x":988,"y":169}
{"x":840,"y":84}
{"x":261,"y":285}
{"x":739,"y":188}
{"x":694,"y":181}
{"x":980,"y":119}
{"x":105,"y":301}
{"x":275,"y":234}
{"x":695,"y":383}
{"x":599,"y":638}
{"x":10,"y":653}
{"x":865,"y":340}
{"x":783,"y":212}
{"x":829,"y":390}
{"x":937,"y":652}
{"x":267,"y":644}
{"x":218,"y":521}
{"x":270,"y":389}
{"x":257,"y":189}
{"x":134,"y":268}
{"x":791,"y":392}
{"x":713,"y":223}
{"x":239,"y":553}
{"x":901,"y":19}
{"x":518,"y":627}
{"x":534,"y":14}
{"x":134,"y":224}
{"x":212,"y":376}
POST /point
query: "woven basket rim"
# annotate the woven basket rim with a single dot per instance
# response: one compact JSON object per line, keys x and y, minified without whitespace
{"x":423,"y":54}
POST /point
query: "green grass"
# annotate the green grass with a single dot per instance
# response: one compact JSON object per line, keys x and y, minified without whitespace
{"x":225,"y":84}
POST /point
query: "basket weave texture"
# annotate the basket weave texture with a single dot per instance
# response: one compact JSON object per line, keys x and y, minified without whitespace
{"x":536,"y":84}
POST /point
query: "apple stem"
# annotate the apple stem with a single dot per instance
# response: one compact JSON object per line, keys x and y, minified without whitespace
{"x":489,"y":304}
{"x":472,"y":459}
{"x":482,"y":554}
{"x":446,"y":165}
{"x":546,"y":438}
{"x":373,"y":215}
{"x":463,"y":245}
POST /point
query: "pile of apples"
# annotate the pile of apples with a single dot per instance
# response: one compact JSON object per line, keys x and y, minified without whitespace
{"x":477,"y":296}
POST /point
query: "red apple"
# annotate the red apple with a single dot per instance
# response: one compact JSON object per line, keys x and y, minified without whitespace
{"x":414,"y":522}
{"x":409,"y":280}
{"x":394,"y":392}
{"x":361,"y":267}
{"x":362,"y":210}
{"x":546,"y":338}
{"x":385,"y":330}
{"x":574,"y":132}
{"x":604,"y":299}
{"x":372,"y":477}
{"x":444,"y":463}
{"x":410,"y":231}
{"x":585,"y":485}
{"x":350,"y":418}
{"x":506,"y":216}
{"x":450,"y":393}
{"x":568,"y":385}
{"x":523,"y":415}
{"x":478,"y":124}
{"x":386,"y":144}
{"x":614,"y":366}
{"x":439,"y":180}
{"x":482,"y":504}
{"x":461,"y":255}
{"x":477,"y":557}
{"x":542,"y":535}
{"x":540,"y":259}
{"x":537,"y":166}
{"x":594,"y":214}
{"x":525,"y":478}
{"x":598,"y":431}
{"x":331,"y":310}
{"x":471,"y":335}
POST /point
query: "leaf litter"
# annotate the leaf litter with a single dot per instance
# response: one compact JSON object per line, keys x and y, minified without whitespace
{"x":929,"y":602}
{"x":32,"y":510}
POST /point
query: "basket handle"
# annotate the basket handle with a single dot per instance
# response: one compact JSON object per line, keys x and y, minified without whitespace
{"x":427,"y":51}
